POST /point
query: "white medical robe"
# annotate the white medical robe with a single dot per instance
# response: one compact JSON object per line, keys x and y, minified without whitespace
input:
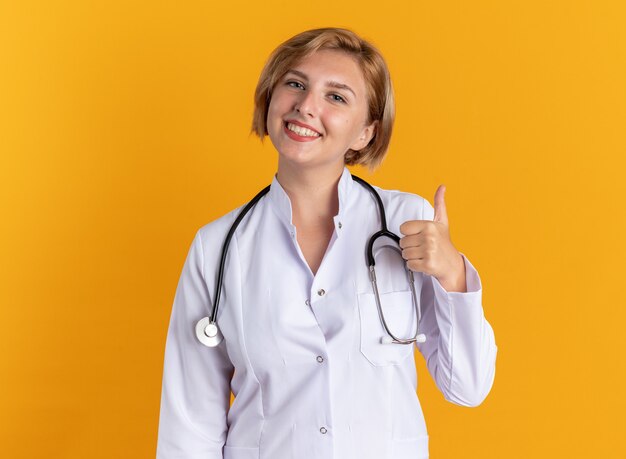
{"x":302,"y":353}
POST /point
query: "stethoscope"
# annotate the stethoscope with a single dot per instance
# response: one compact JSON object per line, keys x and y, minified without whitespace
{"x":209,"y":333}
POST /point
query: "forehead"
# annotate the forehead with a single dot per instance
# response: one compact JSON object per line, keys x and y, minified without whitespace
{"x":332,"y":65}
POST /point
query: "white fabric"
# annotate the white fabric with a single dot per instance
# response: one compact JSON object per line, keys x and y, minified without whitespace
{"x":276,"y":323}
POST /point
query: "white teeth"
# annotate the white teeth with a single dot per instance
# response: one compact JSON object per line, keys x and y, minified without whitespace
{"x":304,"y":132}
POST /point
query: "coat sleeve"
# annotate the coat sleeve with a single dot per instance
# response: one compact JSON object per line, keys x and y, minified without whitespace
{"x":195,"y":395}
{"x":460,"y":349}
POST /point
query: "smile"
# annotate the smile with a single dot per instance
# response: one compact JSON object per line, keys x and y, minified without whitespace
{"x":301,"y":131}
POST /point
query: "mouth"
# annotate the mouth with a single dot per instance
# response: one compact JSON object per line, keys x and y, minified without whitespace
{"x":301,"y":131}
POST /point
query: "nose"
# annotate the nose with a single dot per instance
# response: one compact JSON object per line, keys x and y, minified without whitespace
{"x":306,"y":104}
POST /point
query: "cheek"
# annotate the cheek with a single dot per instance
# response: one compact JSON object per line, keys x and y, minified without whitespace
{"x":271,"y":109}
{"x":277,"y":109}
{"x":348,"y":126}
{"x":337,"y":121}
{"x":274,"y":116}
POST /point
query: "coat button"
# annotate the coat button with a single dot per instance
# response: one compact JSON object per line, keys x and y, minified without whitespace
{"x":323,"y":430}
{"x":339,"y":225}
{"x":320,"y":359}
{"x":307,"y":302}
{"x":321,"y":292}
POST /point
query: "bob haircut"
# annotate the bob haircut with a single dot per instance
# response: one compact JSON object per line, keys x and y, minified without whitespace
{"x":377,"y":81}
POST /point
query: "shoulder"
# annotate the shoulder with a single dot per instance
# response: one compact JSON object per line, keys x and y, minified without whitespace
{"x":205,"y":248}
{"x":215,"y":231}
{"x":406,"y":205}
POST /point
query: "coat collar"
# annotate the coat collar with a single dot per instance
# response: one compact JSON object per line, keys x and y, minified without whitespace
{"x":282,"y":204}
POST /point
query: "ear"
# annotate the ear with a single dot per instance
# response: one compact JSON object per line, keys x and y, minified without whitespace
{"x":366,"y":135}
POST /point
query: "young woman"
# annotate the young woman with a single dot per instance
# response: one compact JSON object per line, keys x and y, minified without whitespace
{"x":318,"y":356}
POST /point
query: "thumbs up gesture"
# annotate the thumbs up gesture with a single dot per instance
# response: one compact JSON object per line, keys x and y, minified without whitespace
{"x":427,"y":248}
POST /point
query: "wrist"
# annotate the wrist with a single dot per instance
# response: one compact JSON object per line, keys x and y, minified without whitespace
{"x":455,"y":281}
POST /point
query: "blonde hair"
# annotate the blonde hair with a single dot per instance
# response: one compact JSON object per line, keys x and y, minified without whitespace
{"x":375,"y":72}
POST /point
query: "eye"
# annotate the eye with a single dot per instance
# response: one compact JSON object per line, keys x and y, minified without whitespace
{"x":338,"y":98}
{"x":295,"y":84}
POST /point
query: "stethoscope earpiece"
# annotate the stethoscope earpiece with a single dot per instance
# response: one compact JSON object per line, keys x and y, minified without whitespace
{"x":421,"y":338}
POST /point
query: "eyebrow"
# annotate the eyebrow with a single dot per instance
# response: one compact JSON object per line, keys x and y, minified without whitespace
{"x":332,"y":84}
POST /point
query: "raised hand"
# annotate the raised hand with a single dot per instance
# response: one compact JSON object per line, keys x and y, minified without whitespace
{"x":427,"y":248}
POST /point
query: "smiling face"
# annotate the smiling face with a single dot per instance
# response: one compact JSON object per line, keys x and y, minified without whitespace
{"x":318,"y":111}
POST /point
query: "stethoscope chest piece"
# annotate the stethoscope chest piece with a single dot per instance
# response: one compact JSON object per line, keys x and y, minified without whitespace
{"x":208,"y":333}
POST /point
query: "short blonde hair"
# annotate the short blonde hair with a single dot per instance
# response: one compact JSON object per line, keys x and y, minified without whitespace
{"x":377,"y":80}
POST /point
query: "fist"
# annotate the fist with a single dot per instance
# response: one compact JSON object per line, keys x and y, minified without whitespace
{"x":427,"y":248}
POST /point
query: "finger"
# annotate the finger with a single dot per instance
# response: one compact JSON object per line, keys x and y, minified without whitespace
{"x":412,"y":240}
{"x":417,"y":265}
{"x":413,"y":253}
{"x":441,"y":214}
{"x":413,"y":226}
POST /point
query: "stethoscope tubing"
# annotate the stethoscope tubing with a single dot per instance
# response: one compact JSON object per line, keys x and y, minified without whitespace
{"x":207,"y":330}
{"x":229,"y":236}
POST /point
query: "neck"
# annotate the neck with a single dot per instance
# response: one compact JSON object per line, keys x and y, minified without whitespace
{"x":312,"y":191}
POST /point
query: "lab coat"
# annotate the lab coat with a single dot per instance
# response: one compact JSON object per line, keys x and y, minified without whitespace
{"x":302,"y":353}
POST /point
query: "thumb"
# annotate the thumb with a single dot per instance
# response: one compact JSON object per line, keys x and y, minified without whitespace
{"x":441,"y":214}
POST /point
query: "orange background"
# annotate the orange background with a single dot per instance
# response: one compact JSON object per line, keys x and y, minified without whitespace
{"x":124,"y":127}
